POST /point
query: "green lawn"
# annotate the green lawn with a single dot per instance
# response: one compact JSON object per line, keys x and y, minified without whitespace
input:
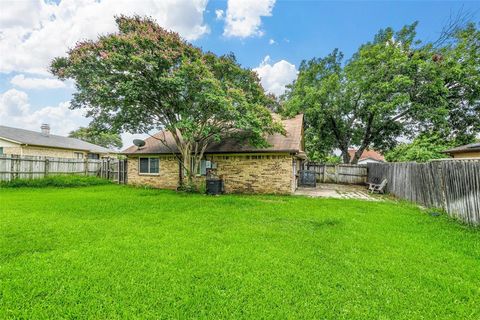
{"x":119,"y":252}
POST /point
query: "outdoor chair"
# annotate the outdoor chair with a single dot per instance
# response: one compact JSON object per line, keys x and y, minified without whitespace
{"x":377,"y":188}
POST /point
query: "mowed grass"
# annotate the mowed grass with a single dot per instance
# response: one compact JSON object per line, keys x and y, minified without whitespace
{"x":120,"y":252}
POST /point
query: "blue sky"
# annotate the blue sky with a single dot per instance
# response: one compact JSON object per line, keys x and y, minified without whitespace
{"x":315,"y":28}
{"x":270,"y":36}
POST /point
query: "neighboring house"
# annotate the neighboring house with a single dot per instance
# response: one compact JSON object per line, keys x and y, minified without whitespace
{"x":471,"y":150}
{"x":242,"y":167}
{"x":30,"y":143}
{"x":368,"y":156}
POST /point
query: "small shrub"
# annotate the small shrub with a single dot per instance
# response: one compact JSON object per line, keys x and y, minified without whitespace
{"x":189,"y":188}
{"x":66,"y":181}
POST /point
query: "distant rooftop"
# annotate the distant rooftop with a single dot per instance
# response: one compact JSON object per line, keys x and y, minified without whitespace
{"x":472,"y":147}
{"x":367,"y":154}
{"x":34,"y":138}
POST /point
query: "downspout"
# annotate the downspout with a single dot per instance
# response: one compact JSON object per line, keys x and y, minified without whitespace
{"x":294,"y":174}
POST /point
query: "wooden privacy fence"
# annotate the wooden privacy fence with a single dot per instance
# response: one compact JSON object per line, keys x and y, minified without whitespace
{"x":338,"y":173}
{"x":35,"y":167}
{"x":452,"y":185}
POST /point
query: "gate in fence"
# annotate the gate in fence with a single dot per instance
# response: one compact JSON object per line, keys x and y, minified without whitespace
{"x":308,"y":178}
{"x":35,"y":167}
{"x":339,"y":173}
{"x":114,"y":169}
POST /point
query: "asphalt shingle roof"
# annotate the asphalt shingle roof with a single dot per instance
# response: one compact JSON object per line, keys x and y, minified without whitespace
{"x":472,"y":147}
{"x":38,"y":139}
{"x":291,"y":142}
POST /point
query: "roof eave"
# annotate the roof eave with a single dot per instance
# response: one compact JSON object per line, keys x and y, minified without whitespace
{"x":10,"y":140}
{"x":291,"y":151}
{"x":460,"y":151}
{"x":67,"y":148}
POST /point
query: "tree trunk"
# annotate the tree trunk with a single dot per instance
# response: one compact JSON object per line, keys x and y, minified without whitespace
{"x":345,"y":155}
{"x":186,"y":163}
{"x":359,"y":152}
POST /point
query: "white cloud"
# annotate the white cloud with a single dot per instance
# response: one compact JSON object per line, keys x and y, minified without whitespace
{"x":13,"y":103}
{"x":274,"y":77}
{"x":271,"y":41}
{"x":243,"y":17}
{"x":36,"y":83}
{"x":219,"y":14}
{"x":34,"y":32}
{"x":16,"y":111}
{"x":23,"y":14}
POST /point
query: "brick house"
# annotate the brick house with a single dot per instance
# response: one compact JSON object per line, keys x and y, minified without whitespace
{"x":244,"y":169}
{"x":471,"y":150}
{"x":15,"y":141}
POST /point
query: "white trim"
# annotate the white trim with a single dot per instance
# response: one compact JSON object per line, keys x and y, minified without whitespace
{"x":148,"y":173}
{"x":10,"y":140}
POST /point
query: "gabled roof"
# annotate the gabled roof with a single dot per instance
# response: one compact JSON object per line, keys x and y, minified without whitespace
{"x":472,"y":147}
{"x":22,"y":136}
{"x":367,"y":154}
{"x":290,"y":143}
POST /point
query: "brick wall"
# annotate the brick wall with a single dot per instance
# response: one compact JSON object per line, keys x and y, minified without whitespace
{"x":268,"y":174}
{"x":467,"y":155}
{"x":42,"y":151}
{"x":166,"y":179}
{"x":256,"y":173}
{"x":50,"y":152}
{"x":12,"y":150}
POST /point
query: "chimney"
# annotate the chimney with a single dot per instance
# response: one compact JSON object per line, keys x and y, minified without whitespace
{"x":45,"y":129}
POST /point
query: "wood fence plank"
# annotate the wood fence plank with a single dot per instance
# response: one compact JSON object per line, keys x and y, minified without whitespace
{"x":35,"y":167}
{"x":452,"y":185}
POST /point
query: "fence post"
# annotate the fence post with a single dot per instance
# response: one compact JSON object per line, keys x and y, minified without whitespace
{"x":108,"y":168}
{"x":119,"y":167}
{"x":125,"y":172}
{"x":14,"y":167}
{"x":46,"y":168}
{"x":85,"y":166}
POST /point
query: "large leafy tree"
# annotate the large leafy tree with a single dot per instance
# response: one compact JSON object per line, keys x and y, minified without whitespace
{"x":144,"y":77}
{"x":423,"y":148}
{"x":102,"y":138}
{"x":391,"y":87}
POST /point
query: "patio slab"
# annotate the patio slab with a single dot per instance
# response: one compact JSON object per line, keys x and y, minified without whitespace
{"x":340,"y":191}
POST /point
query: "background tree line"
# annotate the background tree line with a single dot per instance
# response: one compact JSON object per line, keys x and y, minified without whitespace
{"x":393,"y":87}
{"x":143,"y":78}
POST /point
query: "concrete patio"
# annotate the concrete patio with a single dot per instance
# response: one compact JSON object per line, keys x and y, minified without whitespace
{"x":340,"y":191}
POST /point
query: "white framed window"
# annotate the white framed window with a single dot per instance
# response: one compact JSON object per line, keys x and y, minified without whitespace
{"x":149,"y":165}
{"x":78,"y":155}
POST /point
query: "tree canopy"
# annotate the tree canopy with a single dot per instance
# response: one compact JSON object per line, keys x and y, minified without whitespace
{"x":102,"y":138}
{"x":144,"y":77}
{"x":423,"y":148}
{"x":393,"y":86}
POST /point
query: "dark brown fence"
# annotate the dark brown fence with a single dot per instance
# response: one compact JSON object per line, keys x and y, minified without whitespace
{"x":452,"y":185}
{"x":339,"y":173}
{"x":35,"y":167}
